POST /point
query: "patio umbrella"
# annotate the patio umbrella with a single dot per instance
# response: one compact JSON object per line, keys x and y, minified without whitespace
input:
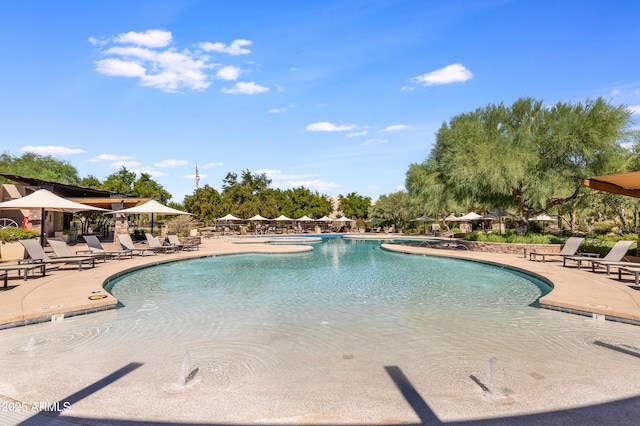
{"x":499,"y":214}
{"x":451,"y":218}
{"x":470,"y":216}
{"x":544,"y":217}
{"x":46,"y":201}
{"x":258,"y":217}
{"x":345,"y":219}
{"x":229,"y":217}
{"x":304,"y":218}
{"x":282,"y":218}
{"x":424,"y":219}
{"x":151,"y":207}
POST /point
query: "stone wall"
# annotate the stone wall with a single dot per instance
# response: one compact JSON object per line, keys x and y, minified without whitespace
{"x":521,"y":249}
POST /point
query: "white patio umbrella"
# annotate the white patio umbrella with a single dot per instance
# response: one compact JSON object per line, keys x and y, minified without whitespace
{"x":151,"y":207}
{"x":258,"y":217}
{"x":470,"y":216}
{"x":282,"y":218}
{"x":544,"y":217}
{"x":343,"y":219}
{"x":229,"y":217}
{"x":46,"y":201}
{"x":305,"y":218}
{"x":324,"y":219}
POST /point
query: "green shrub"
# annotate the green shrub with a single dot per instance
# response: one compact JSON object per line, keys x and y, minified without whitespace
{"x":15,"y":234}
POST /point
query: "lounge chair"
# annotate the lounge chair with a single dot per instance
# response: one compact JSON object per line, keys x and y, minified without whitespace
{"x":615,"y":255}
{"x":127,"y":244}
{"x":61,"y":249}
{"x":37,"y":255}
{"x":570,"y":248}
{"x":617,"y":260}
{"x":154,"y":243}
{"x":175,"y":242}
{"x":95,"y":246}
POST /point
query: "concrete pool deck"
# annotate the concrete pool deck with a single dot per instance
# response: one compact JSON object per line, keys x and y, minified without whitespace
{"x":67,"y":291}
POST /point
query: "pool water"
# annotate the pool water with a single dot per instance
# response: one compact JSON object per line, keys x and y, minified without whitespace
{"x":307,"y":337}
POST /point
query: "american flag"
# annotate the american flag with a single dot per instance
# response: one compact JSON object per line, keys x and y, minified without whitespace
{"x":197,"y":177}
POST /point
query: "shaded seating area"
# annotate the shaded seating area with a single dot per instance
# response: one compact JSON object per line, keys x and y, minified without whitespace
{"x":37,"y":255}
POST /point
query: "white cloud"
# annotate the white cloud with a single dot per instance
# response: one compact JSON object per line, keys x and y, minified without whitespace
{"x":235,"y":48}
{"x":114,"y":66}
{"x":151,"y":172}
{"x":375,"y":142}
{"x":250,"y":88}
{"x":171,"y":163}
{"x":110,"y":157}
{"x":193,"y":176}
{"x":285,"y":109}
{"x":311,"y":181}
{"x":210,"y":165}
{"x":149,"y":38}
{"x":324,"y":126}
{"x":615,"y":92}
{"x":315,"y":184}
{"x":51,"y":150}
{"x":97,"y":42}
{"x":353,"y":134}
{"x":455,"y":73}
{"x":228,"y":73}
{"x":635,"y":109}
{"x":394,"y":128}
{"x":292,"y":69}
{"x":124,"y":163}
{"x":407,"y":89}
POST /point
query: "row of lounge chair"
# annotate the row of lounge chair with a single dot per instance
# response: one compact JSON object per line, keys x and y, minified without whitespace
{"x":62,"y":254}
{"x":615,"y":258}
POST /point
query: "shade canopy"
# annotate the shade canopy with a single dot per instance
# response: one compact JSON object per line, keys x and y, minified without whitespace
{"x":343,"y":219}
{"x":151,"y":207}
{"x":46,"y":201}
{"x":544,"y":217}
{"x":423,"y":218}
{"x":282,"y":217}
{"x":304,"y":218}
{"x":258,"y":217}
{"x":229,"y":217}
{"x":470,"y":216}
{"x":624,"y":184}
{"x":499,"y":214}
{"x":451,"y":218}
{"x":325,"y":219}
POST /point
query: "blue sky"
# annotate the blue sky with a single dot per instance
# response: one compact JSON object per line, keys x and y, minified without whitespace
{"x":336,"y":96}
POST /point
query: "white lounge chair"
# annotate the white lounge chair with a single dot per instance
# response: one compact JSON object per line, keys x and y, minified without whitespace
{"x":615,"y":255}
{"x":154,"y":243}
{"x":61,"y":249}
{"x":127,"y":244}
{"x":37,"y":255}
{"x":570,"y":248}
{"x":95,"y":246}
{"x":175,"y":242}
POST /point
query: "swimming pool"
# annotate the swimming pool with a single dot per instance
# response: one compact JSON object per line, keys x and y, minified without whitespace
{"x":310,"y":338}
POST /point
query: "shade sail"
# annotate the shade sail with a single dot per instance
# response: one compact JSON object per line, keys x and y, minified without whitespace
{"x":325,"y":219}
{"x":624,"y":184}
{"x":304,"y":218}
{"x":343,"y":219}
{"x":151,"y":207}
{"x":258,"y":217}
{"x":282,"y":217}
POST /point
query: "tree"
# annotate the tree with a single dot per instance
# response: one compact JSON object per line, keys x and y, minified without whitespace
{"x":524,"y":157}
{"x":354,"y":206}
{"x":205,"y":204}
{"x":302,"y":201}
{"x":120,"y":182}
{"x":39,"y":167}
{"x":91,"y":182}
{"x":145,"y":187}
{"x":392,"y":209}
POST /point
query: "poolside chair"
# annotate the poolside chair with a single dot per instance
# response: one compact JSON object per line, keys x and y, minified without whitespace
{"x":154,"y":243}
{"x":37,"y":255}
{"x":175,"y":242}
{"x":570,"y":248}
{"x":61,"y":249}
{"x":95,"y":246}
{"x":615,"y":255}
{"x":618,"y":260}
{"x":127,"y":244}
